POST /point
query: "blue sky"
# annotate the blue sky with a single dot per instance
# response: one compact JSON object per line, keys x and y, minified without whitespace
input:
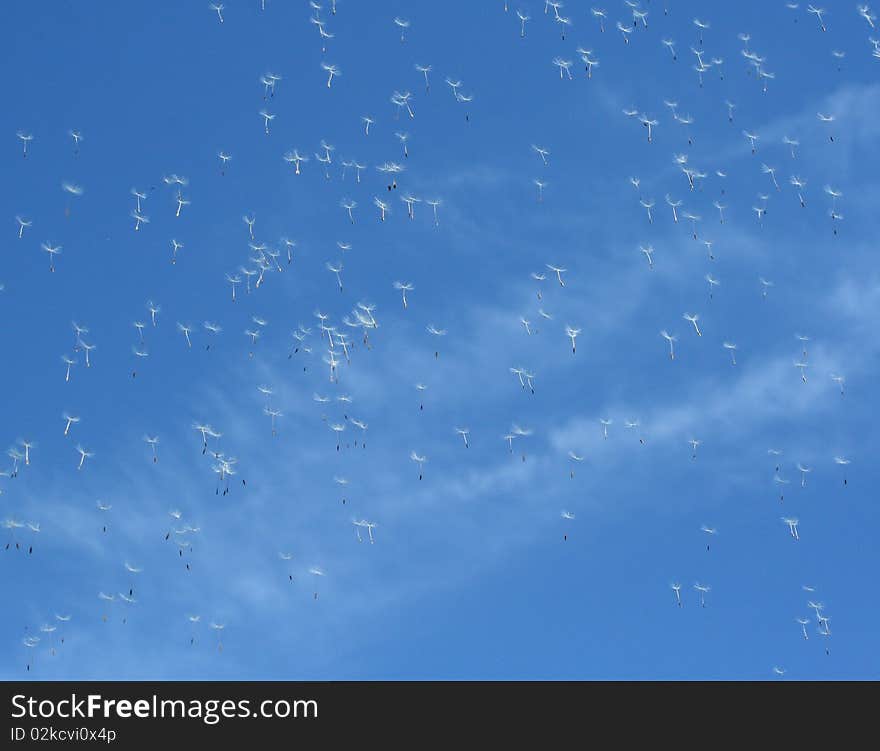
{"x":470,"y":575}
